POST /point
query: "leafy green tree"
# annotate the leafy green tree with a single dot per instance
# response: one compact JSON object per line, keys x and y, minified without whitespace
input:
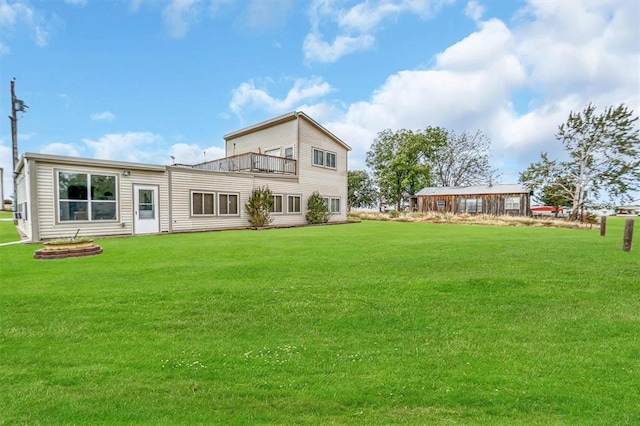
{"x":604,"y":159}
{"x":258,"y":207}
{"x":317,"y":209}
{"x":462,"y":159}
{"x":401,"y":162}
{"x":361,"y":190}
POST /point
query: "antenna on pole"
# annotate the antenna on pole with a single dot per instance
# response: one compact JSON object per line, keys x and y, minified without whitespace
{"x":16,"y":105}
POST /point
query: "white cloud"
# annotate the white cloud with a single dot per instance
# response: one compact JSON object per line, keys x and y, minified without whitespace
{"x":474,"y":10}
{"x":76,"y":2}
{"x":103,"y":116}
{"x":132,"y":146}
{"x":20,"y":13}
{"x":317,"y":50}
{"x":185,"y":153}
{"x":355,"y":25}
{"x":247,"y":95}
{"x":58,"y":148}
{"x":4,"y":49}
{"x":178,"y":15}
{"x":562,"y":63}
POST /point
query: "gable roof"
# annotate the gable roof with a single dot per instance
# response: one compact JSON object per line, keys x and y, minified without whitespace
{"x":283,"y":119}
{"x":474,"y":190}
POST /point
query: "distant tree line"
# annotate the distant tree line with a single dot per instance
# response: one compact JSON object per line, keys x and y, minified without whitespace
{"x":603,"y":151}
{"x":403,"y":162}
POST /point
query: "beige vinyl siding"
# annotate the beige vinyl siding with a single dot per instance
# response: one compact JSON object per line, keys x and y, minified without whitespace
{"x":281,"y":135}
{"x":328,"y":182}
{"x":47,"y":200}
{"x":186,"y":181}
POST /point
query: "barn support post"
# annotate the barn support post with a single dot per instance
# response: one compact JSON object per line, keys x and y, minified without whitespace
{"x":603,"y":226}
{"x":628,"y":235}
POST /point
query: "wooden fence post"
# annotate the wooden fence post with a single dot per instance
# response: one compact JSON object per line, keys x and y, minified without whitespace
{"x":628,"y":235}
{"x":603,"y":226}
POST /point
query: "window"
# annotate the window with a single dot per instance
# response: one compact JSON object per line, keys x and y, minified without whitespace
{"x":86,"y":197}
{"x":202,"y":203}
{"x":288,"y":152}
{"x":335,"y":205}
{"x":470,"y":205}
{"x":318,"y":157}
{"x":331,"y":160}
{"x":228,"y":204}
{"x":440,"y":204}
{"x":324,"y":158}
{"x":332,"y":204}
{"x":512,"y":203}
{"x":293,"y":204}
{"x":277,"y":204}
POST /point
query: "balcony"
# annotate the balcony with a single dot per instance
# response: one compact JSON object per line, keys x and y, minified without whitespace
{"x":250,"y":162}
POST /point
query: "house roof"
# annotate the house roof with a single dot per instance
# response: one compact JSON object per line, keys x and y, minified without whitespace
{"x":86,"y":162}
{"x":283,"y":119}
{"x":474,"y":190}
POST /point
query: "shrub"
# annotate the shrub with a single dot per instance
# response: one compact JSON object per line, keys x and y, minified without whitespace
{"x":259,"y":207}
{"x":317,"y":210}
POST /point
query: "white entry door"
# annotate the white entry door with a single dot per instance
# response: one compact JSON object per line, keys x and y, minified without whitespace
{"x":145,"y":209}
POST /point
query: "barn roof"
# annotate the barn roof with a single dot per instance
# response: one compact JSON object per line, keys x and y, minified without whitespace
{"x":474,"y":190}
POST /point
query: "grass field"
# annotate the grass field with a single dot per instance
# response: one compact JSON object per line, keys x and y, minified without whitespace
{"x":369,"y":323}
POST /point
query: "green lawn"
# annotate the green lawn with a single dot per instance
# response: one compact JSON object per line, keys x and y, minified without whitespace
{"x":370,"y":323}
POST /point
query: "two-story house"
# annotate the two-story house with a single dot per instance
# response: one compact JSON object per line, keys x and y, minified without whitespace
{"x":291,"y":154}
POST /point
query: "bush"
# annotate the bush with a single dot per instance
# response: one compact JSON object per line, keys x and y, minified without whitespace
{"x":317,"y":210}
{"x":259,"y":207}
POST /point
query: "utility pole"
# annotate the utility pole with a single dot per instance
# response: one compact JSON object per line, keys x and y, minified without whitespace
{"x":16,"y":105}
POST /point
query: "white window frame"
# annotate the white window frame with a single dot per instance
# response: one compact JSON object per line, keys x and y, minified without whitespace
{"x":290,"y":204}
{"x":512,"y":203}
{"x":317,"y":154}
{"x":329,"y":203}
{"x":463,"y":205}
{"x":330,"y":164}
{"x":324,"y":158}
{"x":273,"y":205}
{"x":203,"y":193}
{"x":219,"y":204}
{"x":90,"y":202}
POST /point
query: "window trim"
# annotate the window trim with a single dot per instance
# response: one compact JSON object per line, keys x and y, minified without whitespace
{"x":91,"y":202}
{"x":509,"y":201}
{"x":329,"y":201}
{"x":215,"y":203}
{"x":324,"y":157}
{"x":335,"y":159}
{"x":237,"y":194}
{"x":314,"y":157}
{"x":289,"y":197}
{"x":273,"y":205}
{"x":479,"y":204}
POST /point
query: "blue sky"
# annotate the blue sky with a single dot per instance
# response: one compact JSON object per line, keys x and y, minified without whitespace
{"x":144,"y":80}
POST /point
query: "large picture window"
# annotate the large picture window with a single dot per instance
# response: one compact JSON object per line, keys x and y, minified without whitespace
{"x":228,"y":204}
{"x":86,"y":197}
{"x":202,"y":203}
